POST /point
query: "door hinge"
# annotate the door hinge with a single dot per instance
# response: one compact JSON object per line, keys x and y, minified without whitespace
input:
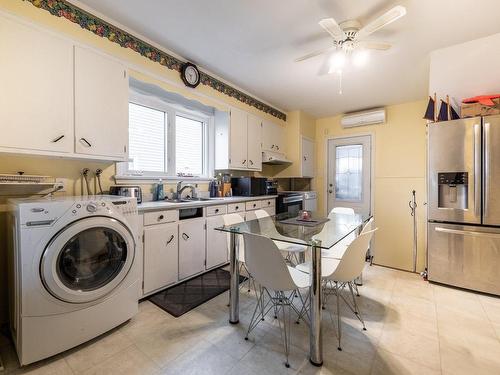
{"x":125,"y":149}
{"x":142,"y":238}
{"x":205,"y":262}
{"x":124,"y":74}
{"x":205,"y":226}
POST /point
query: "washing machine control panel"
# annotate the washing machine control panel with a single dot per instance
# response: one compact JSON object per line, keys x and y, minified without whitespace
{"x":92,"y":207}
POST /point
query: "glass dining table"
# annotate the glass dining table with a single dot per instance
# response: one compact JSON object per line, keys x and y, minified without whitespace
{"x":317,"y":233}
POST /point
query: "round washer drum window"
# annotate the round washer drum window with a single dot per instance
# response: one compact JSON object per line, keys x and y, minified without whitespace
{"x":91,"y":259}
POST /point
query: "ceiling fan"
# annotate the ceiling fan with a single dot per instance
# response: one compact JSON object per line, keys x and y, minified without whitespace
{"x":349,"y":38}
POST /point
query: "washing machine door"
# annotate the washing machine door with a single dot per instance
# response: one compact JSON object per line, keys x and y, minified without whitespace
{"x":87,"y":259}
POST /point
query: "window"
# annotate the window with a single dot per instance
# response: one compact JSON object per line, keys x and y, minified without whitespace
{"x":349,"y":176}
{"x":165,"y":141}
{"x":147,"y":139}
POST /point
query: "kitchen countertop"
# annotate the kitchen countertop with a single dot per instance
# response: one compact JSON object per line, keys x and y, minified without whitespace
{"x":162,"y":205}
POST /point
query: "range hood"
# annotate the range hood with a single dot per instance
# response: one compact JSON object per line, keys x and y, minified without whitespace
{"x":269,"y":157}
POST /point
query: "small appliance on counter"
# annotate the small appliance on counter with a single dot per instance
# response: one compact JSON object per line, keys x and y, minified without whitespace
{"x":248,"y":186}
{"x":127,"y":191}
{"x":271,"y":187}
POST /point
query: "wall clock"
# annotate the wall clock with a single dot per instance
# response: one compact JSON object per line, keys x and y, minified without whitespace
{"x":190,"y":75}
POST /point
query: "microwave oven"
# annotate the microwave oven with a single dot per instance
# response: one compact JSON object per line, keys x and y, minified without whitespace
{"x":248,"y":186}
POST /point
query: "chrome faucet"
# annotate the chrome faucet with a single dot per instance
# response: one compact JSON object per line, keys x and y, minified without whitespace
{"x":180,"y":189}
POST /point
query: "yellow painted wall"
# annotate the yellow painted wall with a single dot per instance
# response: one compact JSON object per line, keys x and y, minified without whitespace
{"x":299,"y":124}
{"x":399,"y":167}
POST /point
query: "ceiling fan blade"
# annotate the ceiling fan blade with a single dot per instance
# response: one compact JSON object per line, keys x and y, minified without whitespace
{"x":381,"y":46}
{"x":385,"y":19}
{"x":313,"y":54}
{"x":332,"y":27}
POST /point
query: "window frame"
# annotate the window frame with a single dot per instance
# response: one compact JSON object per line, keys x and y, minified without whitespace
{"x":171,"y":111}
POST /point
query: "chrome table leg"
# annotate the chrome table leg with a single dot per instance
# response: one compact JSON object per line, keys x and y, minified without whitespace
{"x":234,"y":290}
{"x":315,"y":333}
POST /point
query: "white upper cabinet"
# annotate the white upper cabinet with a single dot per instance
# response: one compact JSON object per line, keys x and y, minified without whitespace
{"x":238,"y":141}
{"x":101,"y":105}
{"x":273,"y":137}
{"x":307,"y":157}
{"x":254,"y":148}
{"x":36,"y":90}
{"x":238,"y":157}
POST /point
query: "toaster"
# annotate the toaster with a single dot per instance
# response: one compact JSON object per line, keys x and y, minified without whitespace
{"x":127,"y":191}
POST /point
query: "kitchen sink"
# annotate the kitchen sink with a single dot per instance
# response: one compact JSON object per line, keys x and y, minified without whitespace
{"x":189,"y":200}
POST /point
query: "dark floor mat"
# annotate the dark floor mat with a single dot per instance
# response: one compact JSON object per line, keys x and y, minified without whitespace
{"x":184,"y":297}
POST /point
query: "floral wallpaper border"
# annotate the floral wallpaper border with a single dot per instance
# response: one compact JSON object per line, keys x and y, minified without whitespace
{"x":87,"y":21}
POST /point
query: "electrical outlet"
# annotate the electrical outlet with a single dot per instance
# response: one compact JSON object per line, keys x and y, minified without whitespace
{"x":62,"y":182}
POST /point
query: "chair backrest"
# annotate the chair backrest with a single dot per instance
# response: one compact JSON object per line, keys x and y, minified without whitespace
{"x":368,"y":226}
{"x":266,"y":223}
{"x":342,"y":210}
{"x":266,"y":264}
{"x":352,"y":262}
{"x":234,"y":219}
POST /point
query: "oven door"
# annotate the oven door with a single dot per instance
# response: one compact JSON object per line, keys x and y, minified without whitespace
{"x":290,"y":204}
{"x":87,"y":259}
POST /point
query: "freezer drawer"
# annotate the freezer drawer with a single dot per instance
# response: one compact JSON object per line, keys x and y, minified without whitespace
{"x":464,"y":256}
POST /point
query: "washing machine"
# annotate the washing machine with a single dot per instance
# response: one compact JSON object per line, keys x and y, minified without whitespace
{"x":74,"y":271}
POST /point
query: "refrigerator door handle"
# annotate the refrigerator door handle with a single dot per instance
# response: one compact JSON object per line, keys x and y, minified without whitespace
{"x":467,"y":232}
{"x":477,"y":169}
{"x":486,"y":167}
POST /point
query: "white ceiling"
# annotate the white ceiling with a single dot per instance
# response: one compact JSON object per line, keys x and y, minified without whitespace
{"x":252,"y":43}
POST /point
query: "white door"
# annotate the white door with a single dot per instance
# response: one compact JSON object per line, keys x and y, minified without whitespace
{"x":254,"y":137}
{"x":160,"y":256}
{"x":191,"y":248}
{"x":349,"y":173}
{"x":238,"y":140}
{"x":101,"y":105}
{"x":216,"y":242}
{"x":307,"y":157}
{"x":36,"y":89}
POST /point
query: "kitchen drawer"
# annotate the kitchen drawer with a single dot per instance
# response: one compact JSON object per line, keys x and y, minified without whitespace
{"x":235,"y":207}
{"x":254,"y":205}
{"x":268,"y":203}
{"x":216,"y":210}
{"x":160,"y":217}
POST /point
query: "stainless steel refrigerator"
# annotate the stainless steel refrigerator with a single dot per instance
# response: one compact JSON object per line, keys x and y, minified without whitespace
{"x":463,"y":241}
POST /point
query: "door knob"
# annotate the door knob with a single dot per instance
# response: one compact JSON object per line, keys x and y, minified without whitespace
{"x":330,"y":191}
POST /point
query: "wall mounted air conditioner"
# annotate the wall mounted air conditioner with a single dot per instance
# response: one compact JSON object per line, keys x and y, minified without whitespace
{"x":370,"y":117}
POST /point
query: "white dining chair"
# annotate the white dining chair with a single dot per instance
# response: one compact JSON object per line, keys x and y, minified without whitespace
{"x":292,"y":250}
{"x":278,"y":281}
{"x":339,"y":273}
{"x":342,"y":210}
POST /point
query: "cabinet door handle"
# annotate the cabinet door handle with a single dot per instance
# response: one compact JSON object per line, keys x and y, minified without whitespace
{"x":58,"y":139}
{"x":305,"y":159}
{"x":237,"y":207}
{"x":161,"y":217}
{"x":251,"y":162}
{"x":272,"y":146}
{"x":278,"y":147}
{"x":216,"y":210}
{"x":86,"y":142}
{"x":170,"y":239}
{"x":185,"y":236}
{"x":244,"y":161}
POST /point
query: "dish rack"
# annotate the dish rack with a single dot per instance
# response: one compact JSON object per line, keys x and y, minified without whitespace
{"x":16,"y":179}
{"x":26,"y":184}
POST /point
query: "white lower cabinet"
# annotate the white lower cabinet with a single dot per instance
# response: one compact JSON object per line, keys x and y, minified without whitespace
{"x":160,"y":256}
{"x":191,"y":247}
{"x":216,"y":242}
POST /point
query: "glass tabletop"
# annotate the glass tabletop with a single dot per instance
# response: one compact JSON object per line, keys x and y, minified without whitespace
{"x":284,"y":227}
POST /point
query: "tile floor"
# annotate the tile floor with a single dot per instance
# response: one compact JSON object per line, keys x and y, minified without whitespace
{"x":413,"y":328}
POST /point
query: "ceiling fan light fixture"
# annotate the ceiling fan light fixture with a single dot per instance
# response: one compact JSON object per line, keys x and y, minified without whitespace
{"x":337,"y":61}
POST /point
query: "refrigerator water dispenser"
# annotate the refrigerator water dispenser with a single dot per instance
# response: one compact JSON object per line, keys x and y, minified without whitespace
{"x":453,"y":190}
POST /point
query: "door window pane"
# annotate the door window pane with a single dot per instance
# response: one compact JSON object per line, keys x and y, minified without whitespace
{"x":147,"y":139}
{"x":188,"y":146}
{"x":349,"y":172}
{"x":91,"y":259}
